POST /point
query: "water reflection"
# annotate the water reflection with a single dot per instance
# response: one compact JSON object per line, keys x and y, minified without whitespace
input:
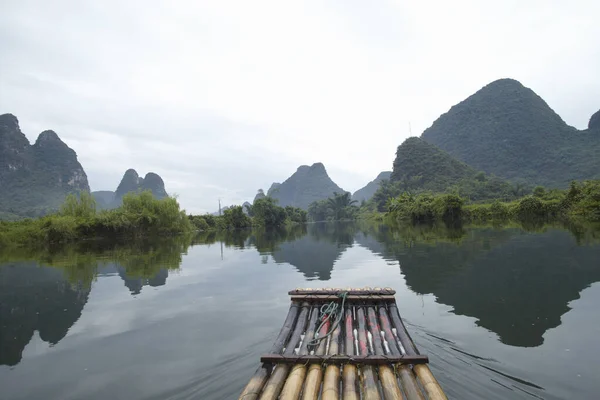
{"x":35,"y":299}
{"x":515,"y":281}
{"x":45,"y":290}
{"x":315,"y":254}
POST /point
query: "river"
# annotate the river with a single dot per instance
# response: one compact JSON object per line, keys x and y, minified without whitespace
{"x":503,"y":313}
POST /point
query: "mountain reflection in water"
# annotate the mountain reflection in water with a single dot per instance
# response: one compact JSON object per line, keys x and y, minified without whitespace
{"x":515,"y":282}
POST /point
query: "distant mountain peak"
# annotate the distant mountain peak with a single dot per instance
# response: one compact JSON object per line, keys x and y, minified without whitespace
{"x":318,"y":166}
{"x":36,"y":178}
{"x":132,"y":182}
{"x":383,"y":175}
{"x":365,"y":193}
{"x":9,"y":121}
{"x":595,"y":121}
{"x":49,"y":137}
{"x":306,"y":185}
{"x":505,"y":82}
{"x":131,"y":174}
{"x":506,"y":129}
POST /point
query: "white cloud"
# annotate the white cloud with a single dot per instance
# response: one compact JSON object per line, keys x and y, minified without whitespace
{"x":223,"y":98}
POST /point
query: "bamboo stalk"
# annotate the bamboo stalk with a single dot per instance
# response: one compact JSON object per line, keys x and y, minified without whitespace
{"x":407,"y":379}
{"x":430,"y":384}
{"x":370,"y":390}
{"x":314,"y":377}
{"x":293,"y":384}
{"x":350,"y":372}
{"x":277,"y":378}
{"x":256,"y":383}
{"x":331,"y":382}
{"x":387,"y":377}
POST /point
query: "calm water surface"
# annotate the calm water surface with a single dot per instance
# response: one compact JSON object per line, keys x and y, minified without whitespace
{"x":502,"y":313}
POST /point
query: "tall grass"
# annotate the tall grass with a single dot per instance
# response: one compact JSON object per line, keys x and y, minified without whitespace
{"x":139,"y":215}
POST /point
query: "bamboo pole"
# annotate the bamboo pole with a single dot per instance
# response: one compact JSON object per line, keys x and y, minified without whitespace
{"x":422,"y":371}
{"x":256,"y":383}
{"x":277,"y":378}
{"x":293,"y":384}
{"x":370,"y":391}
{"x":350,"y":372}
{"x":331,"y":382}
{"x":314,"y":377}
{"x":387,"y":377}
{"x":407,"y":379}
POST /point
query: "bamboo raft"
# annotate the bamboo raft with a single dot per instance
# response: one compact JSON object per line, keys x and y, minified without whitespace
{"x":343,"y":344}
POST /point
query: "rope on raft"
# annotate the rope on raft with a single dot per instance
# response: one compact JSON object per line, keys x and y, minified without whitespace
{"x":329,"y":311}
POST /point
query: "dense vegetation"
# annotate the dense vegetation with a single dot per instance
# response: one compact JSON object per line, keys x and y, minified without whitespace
{"x":421,"y":167}
{"x":336,"y":208}
{"x":580,"y":202}
{"x":263,"y":212}
{"x":139,"y":215}
{"x":306,"y":185}
{"x":507,"y":130}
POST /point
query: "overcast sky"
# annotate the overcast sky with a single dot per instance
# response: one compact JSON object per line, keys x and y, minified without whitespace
{"x":224,"y":97}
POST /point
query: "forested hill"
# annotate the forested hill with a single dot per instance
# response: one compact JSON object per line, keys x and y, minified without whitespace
{"x":306,"y":185}
{"x":508,"y":130}
{"x":35,"y":178}
{"x":421,"y":166}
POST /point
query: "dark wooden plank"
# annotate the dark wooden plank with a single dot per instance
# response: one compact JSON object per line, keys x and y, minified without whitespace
{"x":375,"y":331}
{"x":369,"y":387}
{"x":330,"y":297}
{"x":310,"y":330}
{"x":387,"y":328}
{"x":343,"y":359}
{"x":403,"y":335}
{"x":338,"y":291}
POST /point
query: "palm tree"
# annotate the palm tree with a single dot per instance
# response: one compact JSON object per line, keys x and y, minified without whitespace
{"x":339,"y":202}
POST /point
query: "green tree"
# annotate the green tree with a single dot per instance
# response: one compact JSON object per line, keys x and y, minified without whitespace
{"x":340,"y":204}
{"x":266,"y":212}
{"x":234,"y":217}
{"x":83,"y":206}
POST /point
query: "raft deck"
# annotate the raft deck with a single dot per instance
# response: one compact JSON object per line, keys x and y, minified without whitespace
{"x":368,"y":354}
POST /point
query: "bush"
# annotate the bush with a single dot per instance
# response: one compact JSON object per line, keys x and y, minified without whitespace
{"x":234,"y":217}
{"x":530,"y":207}
{"x":426,"y":207}
{"x":498,"y":210}
{"x":199,"y":222}
{"x":449,"y":207}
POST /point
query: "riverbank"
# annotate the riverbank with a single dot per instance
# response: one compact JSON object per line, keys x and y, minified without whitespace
{"x":139,"y":215}
{"x":581,"y":202}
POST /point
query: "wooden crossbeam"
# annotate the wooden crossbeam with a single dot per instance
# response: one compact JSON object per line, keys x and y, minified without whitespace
{"x":330,"y":297}
{"x":349,"y":291}
{"x":343,"y":359}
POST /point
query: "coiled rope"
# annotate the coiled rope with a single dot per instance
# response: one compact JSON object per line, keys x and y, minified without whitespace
{"x":329,"y":311}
